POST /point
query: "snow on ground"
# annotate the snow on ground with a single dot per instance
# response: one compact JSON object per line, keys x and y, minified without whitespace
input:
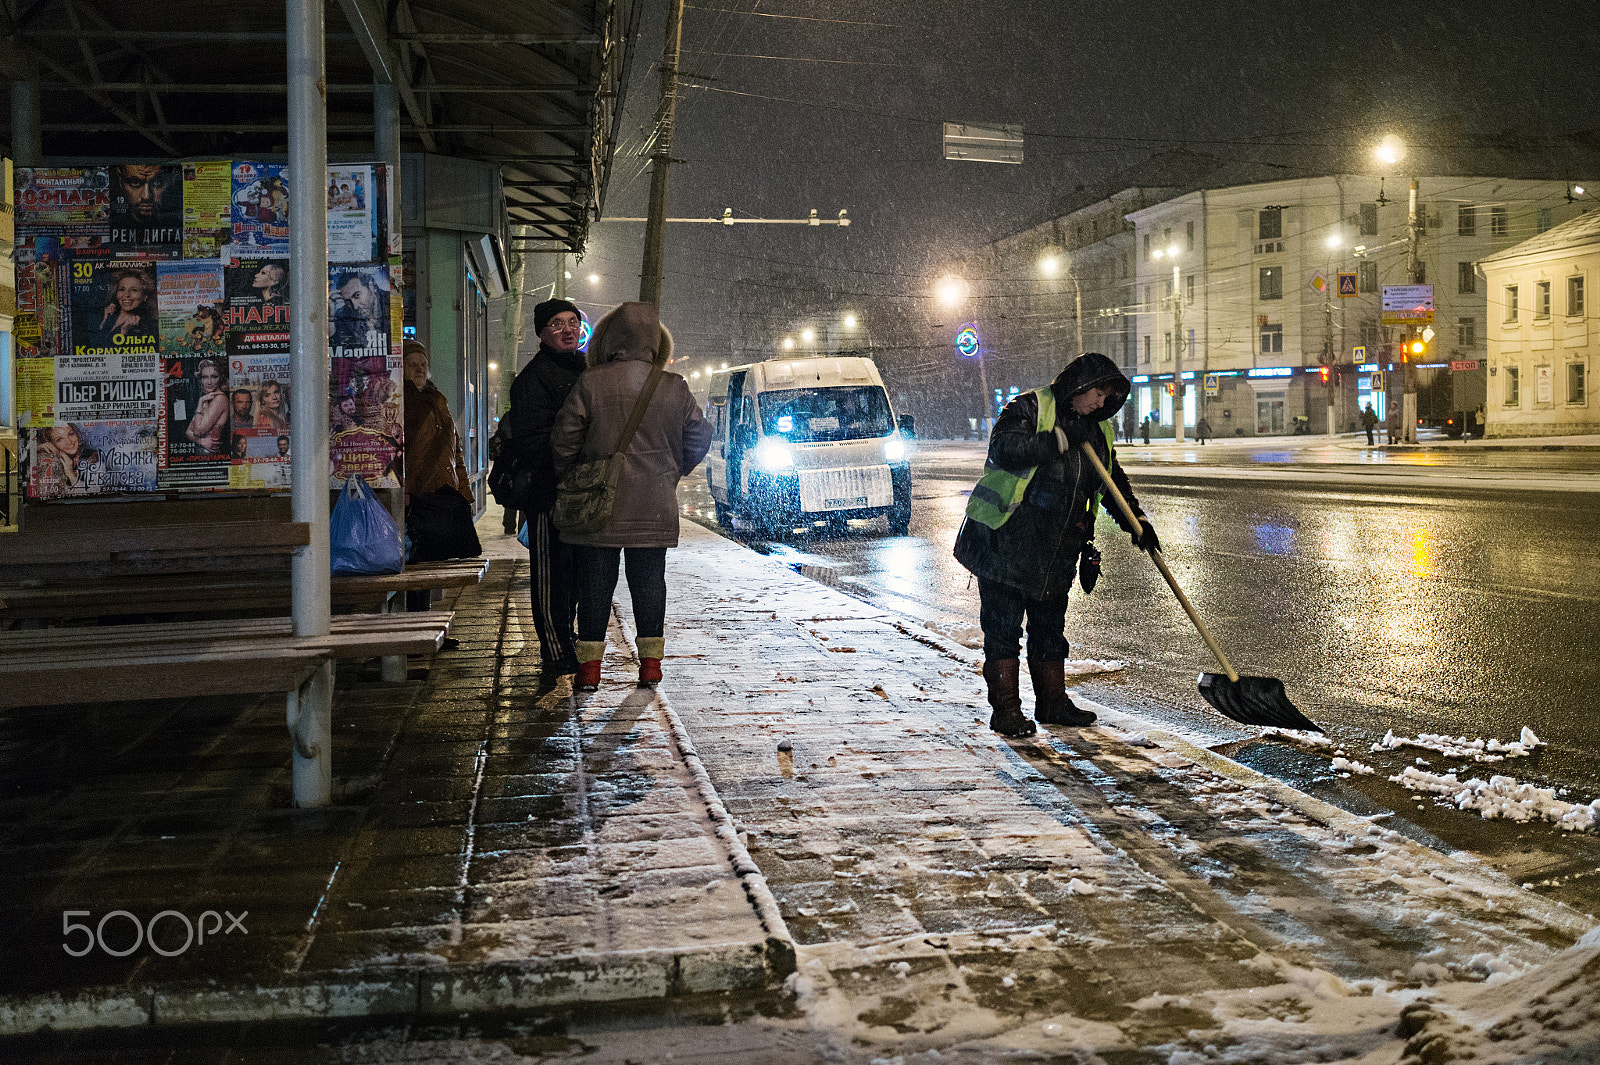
{"x":1503,"y":797}
{"x":1478,"y":750}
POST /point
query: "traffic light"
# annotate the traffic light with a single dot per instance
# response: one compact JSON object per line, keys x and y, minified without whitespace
{"x":1415,"y":349}
{"x":1172,"y":389}
{"x":1326,"y":374}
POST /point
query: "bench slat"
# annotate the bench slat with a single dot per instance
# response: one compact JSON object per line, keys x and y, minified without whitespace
{"x":351,"y":636}
{"x":202,"y":674}
{"x":226,"y":538}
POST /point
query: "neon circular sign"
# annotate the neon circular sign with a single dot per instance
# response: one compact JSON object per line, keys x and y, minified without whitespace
{"x":967,"y":341}
{"x":585,"y":331}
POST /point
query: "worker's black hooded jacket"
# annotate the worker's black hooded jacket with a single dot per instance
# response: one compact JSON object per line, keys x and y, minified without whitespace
{"x":1036,"y":551}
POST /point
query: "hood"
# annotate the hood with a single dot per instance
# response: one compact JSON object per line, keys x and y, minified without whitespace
{"x":632,"y":332}
{"x":1087,"y":371}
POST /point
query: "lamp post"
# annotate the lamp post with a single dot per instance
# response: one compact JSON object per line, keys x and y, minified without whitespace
{"x":1391,"y":151}
{"x":952,"y":292}
{"x":1178,"y":389}
{"x":1050,"y":266}
{"x":1334,"y":242}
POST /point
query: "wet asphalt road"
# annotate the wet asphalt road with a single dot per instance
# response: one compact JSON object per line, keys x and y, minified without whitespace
{"x":1466,"y":608}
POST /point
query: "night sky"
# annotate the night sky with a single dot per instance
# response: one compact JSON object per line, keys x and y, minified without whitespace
{"x":849,"y":115}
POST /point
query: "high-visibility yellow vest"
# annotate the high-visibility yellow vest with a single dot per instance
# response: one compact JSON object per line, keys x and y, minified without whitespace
{"x":999,"y":492}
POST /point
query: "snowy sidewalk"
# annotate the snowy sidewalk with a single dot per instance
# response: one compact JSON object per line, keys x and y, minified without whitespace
{"x":1075,"y":892}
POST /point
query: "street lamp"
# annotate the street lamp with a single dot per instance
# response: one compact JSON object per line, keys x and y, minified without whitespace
{"x":1050,"y":266}
{"x":788,"y":342}
{"x":1179,"y":390}
{"x":1390,"y":151}
{"x":952,"y":292}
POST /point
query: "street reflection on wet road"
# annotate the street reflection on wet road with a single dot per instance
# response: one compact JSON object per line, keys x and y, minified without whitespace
{"x":1380,"y":608}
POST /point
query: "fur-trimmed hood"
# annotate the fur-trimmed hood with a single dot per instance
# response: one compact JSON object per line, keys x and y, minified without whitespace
{"x":632,"y":332}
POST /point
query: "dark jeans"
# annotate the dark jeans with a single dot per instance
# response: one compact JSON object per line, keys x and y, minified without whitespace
{"x":1000,"y":613}
{"x":597,"y":582}
{"x":551,"y":587}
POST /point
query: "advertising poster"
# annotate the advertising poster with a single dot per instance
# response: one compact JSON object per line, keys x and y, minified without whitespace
{"x":352,"y":215}
{"x":72,"y":459}
{"x":258,"y":376}
{"x":207,"y":210}
{"x":195,"y":437}
{"x":257,"y":291}
{"x":109,"y":372}
{"x":364,"y":396}
{"x":261,"y":208}
{"x":36,"y":393}
{"x":146,"y":211}
{"x":190,"y":308}
{"x":41,"y":327}
{"x":73,"y":202}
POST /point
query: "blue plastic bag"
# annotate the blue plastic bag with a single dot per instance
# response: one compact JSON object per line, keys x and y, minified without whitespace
{"x":362,"y":539}
{"x":522,"y":535}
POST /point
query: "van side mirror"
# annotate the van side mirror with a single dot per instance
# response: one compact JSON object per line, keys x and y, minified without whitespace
{"x":908,"y":425}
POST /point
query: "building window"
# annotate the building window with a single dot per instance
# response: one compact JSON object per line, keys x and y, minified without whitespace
{"x":1369,"y":337}
{"x":1367,"y":277}
{"x":1166,"y":291}
{"x":1149,"y":305}
{"x":1271,"y":223}
{"x":1466,"y":333}
{"x":1513,"y":393}
{"x":1094,"y":228}
{"x":1166,"y":237}
{"x":1271,"y":339}
{"x":1544,"y":219}
{"x":1511,"y":303}
{"x":1499,"y":222}
{"x":1188,"y":284}
{"x":1168,"y":348}
{"x":1272,"y":282}
{"x":1575,"y":297}
{"x":1541,"y":300}
{"x":1369,"y":220}
{"x":1576,"y":382}
{"x":1147,"y":348}
{"x":1466,"y":221}
{"x":1147,"y":247}
{"x":1191,"y":236}
{"x":1466,"y":279}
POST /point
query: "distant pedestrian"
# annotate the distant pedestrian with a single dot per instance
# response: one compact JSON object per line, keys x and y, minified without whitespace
{"x":1144,"y":431}
{"x":1478,"y":423}
{"x":671,"y":439}
{"x":1029,"y":530}
{"x":1202,"y":429}
{"x":1369,"y":421}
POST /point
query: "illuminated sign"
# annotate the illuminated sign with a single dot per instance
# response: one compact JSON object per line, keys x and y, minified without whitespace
{"x":1407,"y":305}
{"x":585,"y":331}
{"x":1368,"y":367}
{"x":1141,"y":379}
{"x":967,"y":341}
{"x":1271,"y":371}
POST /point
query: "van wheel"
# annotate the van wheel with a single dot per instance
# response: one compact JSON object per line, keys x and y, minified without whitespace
{"x":724,"y":515}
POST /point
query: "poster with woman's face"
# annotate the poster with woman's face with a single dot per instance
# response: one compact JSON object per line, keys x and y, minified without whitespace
{"x":76,"y":459}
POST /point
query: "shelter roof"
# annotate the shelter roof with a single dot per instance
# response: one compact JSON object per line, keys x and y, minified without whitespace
{"x":533,"y":86}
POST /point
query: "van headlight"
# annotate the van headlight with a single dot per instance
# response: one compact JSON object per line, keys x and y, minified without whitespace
{"x":894,"y":449}
{"x":774,"y":456}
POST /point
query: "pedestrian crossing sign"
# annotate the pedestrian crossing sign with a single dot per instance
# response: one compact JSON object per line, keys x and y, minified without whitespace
{"x":1348,"y":286}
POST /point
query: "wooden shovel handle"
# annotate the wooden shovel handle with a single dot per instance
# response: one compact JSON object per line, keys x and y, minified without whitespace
{"x":1161,"y":564}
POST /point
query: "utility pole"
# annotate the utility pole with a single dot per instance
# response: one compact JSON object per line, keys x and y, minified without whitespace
{"x":1327,"y":353}
{"x":1408,"y":370}
{"x":655,"y":229}
{"x":1177,"y":351}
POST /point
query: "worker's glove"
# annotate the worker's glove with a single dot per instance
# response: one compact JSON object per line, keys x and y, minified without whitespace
{"x":1146,"y":539}
{"x":1088,"y":566}
{"x":1076,"y":430}
{"x":1047,"y":446}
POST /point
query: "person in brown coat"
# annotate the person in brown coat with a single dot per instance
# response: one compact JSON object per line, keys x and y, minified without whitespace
{"x":436,"y":471}
{"x":671,"y":440}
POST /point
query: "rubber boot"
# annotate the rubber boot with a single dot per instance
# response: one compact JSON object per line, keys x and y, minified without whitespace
{"x":589,"y":654}
{"x":650,"y":653}
{"x":1052,"y":704}
{"x":1008,"y":719}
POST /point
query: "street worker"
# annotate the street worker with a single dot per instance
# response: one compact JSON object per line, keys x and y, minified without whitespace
{"x":1369,"y":421}
{"x":1202,"y":429}
{"x":529,"y":473}
{"x":1030,"y":520}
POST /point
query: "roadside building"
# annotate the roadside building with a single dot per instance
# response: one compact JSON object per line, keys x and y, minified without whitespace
{"x":1541,"y":333}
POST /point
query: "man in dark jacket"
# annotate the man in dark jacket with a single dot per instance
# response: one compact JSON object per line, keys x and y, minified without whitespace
{"x":1029,"y":520}
{"x":536,"y":395}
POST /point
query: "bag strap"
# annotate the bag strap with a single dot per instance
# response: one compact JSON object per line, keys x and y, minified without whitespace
{"x":634,"y":418}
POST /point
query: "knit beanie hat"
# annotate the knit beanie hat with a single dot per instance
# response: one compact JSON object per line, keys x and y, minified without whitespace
{"x":548,"y":310}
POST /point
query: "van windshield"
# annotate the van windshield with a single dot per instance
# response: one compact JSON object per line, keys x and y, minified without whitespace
{"x":810,"y":414}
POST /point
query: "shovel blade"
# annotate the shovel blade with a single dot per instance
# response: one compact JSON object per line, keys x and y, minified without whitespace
{"x":1254,"y":701}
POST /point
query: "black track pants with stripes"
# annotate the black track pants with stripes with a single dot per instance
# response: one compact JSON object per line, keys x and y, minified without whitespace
{"x":550,"y":584}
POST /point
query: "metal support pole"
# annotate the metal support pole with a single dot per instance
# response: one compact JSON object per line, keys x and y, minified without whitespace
{"x":655,"y":230}
{"x":1177,"y":355}
{"x":310,"y":714}
{"x":308,"y":377}
{"x":26,"y":145}
{"x":386,"y":127}
{"x":1408,"y":370}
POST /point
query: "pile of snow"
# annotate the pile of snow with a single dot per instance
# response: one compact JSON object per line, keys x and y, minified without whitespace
{"x":1503,"y":797}
{"x":1305,"y":739}
{"x":1088,"y":667}
{"x":1346,"y":765}
{"x":1461,"y":747}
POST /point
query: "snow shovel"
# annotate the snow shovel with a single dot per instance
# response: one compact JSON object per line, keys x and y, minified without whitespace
{"x":1250,"y":700}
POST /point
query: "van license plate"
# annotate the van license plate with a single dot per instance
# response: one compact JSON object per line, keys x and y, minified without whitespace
{"x":854,"y":501}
